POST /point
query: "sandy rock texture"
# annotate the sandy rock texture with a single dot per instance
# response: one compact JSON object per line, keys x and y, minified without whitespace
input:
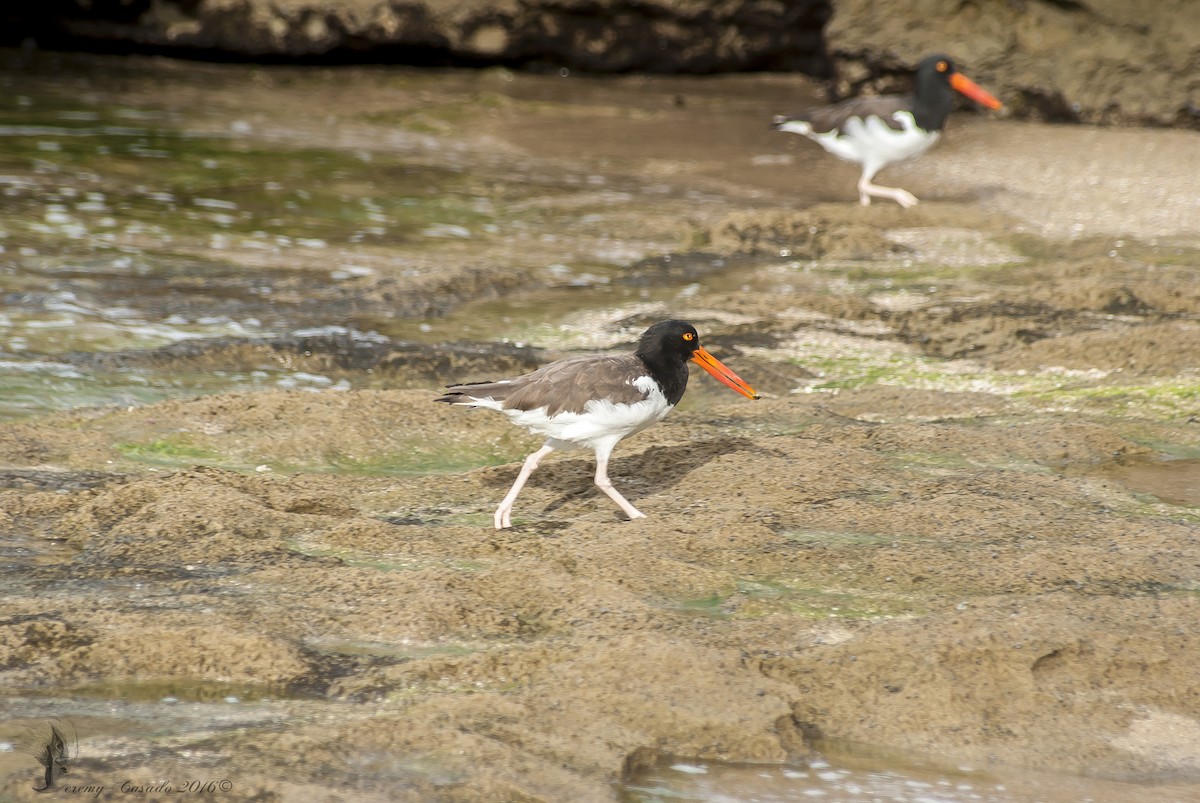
{"x":951,"y":570}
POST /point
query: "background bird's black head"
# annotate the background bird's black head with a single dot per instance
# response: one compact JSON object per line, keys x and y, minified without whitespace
{"x":934,"y":97}
{"x":937,"y":67}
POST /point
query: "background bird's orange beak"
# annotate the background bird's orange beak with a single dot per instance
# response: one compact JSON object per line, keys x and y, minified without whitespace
{"x":715,"y":367}
{"x":974,"y":91}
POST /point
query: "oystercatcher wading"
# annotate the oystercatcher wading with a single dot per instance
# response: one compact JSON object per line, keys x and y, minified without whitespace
{"x":879,"y":131}
{"x":596,"y":400}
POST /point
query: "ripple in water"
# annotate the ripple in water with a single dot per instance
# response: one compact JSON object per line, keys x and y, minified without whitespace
{"x":877,"y":780}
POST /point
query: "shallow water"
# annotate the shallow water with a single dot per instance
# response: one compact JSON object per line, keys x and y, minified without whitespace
{"x":148,"y":204}
{"x":115,"y":239}
{"x":1176,"y":482}
{"x":850,"y":777}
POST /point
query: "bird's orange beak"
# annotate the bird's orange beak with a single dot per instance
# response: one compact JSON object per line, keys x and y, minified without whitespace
{"x":974,"y":91}
{"x":715,"y":367}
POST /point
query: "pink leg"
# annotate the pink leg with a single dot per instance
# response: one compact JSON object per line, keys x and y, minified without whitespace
{"x":866,"y":189}
{"x":503,"y":517}
{"x":605,"y":484}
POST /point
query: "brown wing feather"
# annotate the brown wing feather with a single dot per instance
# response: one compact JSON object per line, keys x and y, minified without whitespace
{"x":827,"y":118}
{"x":562,"y":386}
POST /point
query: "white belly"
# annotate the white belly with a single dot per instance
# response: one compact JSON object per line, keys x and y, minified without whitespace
{"x":600,"y":422}
{"x":871,"y":144}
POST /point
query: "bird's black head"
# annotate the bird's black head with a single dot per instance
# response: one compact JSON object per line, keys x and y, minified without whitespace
{"x":936,"y":84}
{"x":667,"y":347}
{"x":668,"y":342}
{"x":936,"y":68}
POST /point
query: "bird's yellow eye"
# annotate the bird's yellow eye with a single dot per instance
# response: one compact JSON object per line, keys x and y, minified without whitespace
{"x":688,"y":336}
{"x":942,"y":66}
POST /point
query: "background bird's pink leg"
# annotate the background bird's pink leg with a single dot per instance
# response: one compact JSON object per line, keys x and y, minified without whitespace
{"x":866,"y":189}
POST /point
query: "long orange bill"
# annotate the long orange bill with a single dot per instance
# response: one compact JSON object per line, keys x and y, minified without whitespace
{"x":974,"y":91}
{"x":715,"y":367}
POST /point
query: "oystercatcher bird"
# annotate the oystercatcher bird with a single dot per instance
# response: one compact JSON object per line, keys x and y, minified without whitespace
{"x":879,"y":131}
{"x":596,"y":400}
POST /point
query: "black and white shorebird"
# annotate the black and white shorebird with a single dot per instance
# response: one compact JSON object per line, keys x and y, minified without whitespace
{"x":881,"y":130}
{"x":596,"y":400}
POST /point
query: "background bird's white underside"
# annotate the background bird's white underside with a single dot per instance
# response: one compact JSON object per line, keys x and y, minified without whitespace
{"x":873,"y":145}
{"x":872,"y":142}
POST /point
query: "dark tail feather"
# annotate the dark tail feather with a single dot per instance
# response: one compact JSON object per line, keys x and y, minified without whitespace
{"x":451,"y":395}
{"x":455,"y":393}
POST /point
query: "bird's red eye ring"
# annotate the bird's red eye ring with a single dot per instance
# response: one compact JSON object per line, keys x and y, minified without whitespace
{"x":688,"y":336}
{"x":942,"y":66}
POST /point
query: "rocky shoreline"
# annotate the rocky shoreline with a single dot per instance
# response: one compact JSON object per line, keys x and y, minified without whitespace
{"x":1104,"y":62}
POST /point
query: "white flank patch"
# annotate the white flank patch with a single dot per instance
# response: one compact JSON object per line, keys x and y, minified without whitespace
{"x":872,"y":144}
{"x":601,"y":422}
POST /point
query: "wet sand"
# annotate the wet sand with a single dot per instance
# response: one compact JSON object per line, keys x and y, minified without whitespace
{"x":918,"y":540}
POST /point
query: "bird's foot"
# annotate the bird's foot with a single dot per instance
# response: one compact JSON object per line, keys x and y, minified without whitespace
{"x":867,"y":190}
{"x":903,"y":197}
{"x":636,"y":514}
{"x":502,"y":519}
